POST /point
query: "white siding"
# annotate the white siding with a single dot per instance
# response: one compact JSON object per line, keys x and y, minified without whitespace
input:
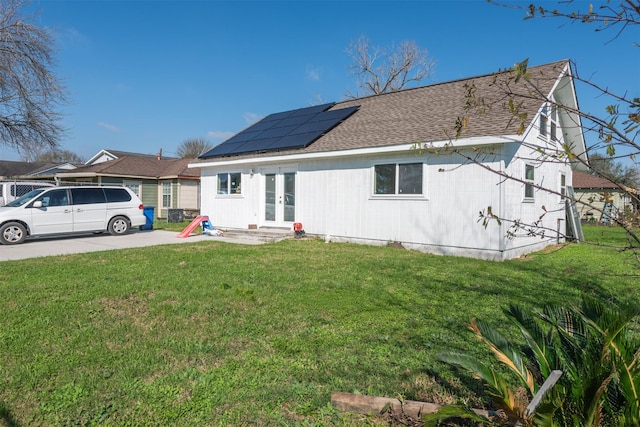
{"x":188,"y":194}
{"x":334,"y":199}
{"x":233,"y":211}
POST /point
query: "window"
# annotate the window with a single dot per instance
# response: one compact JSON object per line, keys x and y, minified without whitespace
{"x":529,"y":174}
{"x":54,"y":198}
{"x":398,"y":178}
{"x":133,"y":186}
{"x":166,"y":194}
{"x":563,"y":186}
{"x":549,"y":122}
{"x":544,"y":119}
{"x":87,"y":196}
{"x":553,"y":122}
{"x":115,"y":195}
{"x":229,"y":183}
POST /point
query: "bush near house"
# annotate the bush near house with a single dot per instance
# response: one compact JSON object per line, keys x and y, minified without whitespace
{"x":211,"y":333}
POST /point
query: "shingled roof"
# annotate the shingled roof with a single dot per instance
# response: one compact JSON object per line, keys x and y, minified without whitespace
{"x":141,"y":166}
{"x":429,"y":113}
{"x":582,"y":180}
{"x":11,"y":169}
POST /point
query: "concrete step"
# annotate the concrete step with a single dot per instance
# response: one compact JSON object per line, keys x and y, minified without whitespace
{"x":261,"y":234}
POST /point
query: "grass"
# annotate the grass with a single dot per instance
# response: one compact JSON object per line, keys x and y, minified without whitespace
{"x":211,"y":333}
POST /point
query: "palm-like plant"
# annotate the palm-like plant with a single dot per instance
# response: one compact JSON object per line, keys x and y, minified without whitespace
{"x":595,"y":344}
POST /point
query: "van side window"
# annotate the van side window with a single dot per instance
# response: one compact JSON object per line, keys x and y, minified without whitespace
{"x":117,"y":195}
{"x":54,"y":198}
{"x":85,"y":196}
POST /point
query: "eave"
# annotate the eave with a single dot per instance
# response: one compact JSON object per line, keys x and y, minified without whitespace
{"x":358,"y":152}
{"x":97,"y":174}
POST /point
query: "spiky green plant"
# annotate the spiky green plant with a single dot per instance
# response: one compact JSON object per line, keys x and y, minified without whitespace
{"x":596,"y":345}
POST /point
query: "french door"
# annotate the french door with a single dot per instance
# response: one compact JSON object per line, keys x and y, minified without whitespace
{"x":280,"y":199}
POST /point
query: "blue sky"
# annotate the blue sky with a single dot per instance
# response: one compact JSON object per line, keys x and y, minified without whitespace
{"x":146,"y":75}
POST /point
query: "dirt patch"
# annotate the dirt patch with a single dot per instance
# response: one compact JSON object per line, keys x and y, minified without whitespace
{"x":396,"y":245}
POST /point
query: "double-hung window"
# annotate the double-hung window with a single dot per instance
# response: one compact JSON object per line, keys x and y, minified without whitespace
{"x":166,"y":195}
{"x":229,"y":183}
{"x":133,"y":186}
{"x":529,"y":176}
{"x":398,"y":179}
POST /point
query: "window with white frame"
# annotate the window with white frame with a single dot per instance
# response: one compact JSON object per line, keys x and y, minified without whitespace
{"x":563,"y":186}
{"x":398,"y":179}
{"x":230,"y":183}
{"x":529,"y":176}
{"x":134,"y":186}
{"x":548,"y":125}
{"x":166,"y":194}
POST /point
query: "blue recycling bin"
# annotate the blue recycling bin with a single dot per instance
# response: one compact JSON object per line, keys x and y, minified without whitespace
{"x":149,"y":214}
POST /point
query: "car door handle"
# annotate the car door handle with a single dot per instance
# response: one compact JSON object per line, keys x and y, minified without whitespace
{"x":67,"y":210}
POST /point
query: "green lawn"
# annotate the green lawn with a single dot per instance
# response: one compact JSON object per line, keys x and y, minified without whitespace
{"x":211,"y":333}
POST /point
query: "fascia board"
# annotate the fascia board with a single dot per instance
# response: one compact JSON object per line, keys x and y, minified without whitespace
{"x":76,"y":174}
{"x":94,"y":174}
{"x":433,"y":145}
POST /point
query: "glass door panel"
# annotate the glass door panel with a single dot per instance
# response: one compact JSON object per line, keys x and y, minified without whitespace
{"x":289,"y":197}
{"x":270,"y":197}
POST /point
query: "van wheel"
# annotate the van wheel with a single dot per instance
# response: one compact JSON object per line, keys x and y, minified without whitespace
{"x":118,"y":225}
{"x":12,"y":233}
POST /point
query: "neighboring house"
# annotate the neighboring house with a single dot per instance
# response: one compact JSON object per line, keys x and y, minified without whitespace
{"x":13,"y":170}
{"x":107,"y":155}
{"x":161,"y":183}
{"x":350,"y":172}
{"x":600,"y":200}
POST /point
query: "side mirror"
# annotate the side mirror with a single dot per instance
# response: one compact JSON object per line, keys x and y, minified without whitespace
{"x":37,"y":204}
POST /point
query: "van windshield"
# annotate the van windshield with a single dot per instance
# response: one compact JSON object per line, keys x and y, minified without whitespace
{"x":24,"y":199}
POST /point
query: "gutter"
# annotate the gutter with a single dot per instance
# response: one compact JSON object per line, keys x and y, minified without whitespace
{"x":427,"y":146}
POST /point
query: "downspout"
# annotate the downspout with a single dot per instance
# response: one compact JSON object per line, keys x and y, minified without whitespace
{"x":501,"y":207}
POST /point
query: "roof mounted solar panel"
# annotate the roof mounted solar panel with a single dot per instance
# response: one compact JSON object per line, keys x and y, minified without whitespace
{"x":281,"y":131}
{"x":293,"y":141}
{"x":313,"y":109}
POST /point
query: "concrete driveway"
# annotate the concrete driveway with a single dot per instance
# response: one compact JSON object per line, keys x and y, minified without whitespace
{"x":40,"y":247}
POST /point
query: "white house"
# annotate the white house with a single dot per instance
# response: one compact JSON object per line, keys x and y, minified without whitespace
{"x":350,"y":171}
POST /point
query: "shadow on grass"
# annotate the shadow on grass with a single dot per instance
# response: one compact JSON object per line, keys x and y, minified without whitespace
{"x":6,"y":418}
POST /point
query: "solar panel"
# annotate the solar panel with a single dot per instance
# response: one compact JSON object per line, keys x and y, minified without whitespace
{"x":290,"y":141}
{"x":286,"y":130}
{"x":312,"y":110}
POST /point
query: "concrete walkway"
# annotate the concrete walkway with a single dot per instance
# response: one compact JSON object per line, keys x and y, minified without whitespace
{"x":40,"y":247}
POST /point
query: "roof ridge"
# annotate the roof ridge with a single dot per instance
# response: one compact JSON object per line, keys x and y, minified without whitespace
{"x":462,"y":79}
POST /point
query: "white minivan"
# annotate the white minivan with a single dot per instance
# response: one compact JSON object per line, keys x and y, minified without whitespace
{"x":65,"y":210}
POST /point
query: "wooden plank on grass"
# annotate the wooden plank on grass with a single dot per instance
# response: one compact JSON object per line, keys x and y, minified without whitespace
{"x":371,"y":405}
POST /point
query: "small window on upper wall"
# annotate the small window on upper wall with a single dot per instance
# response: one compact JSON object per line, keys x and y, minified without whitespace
{"x":229,"y":183}
{"x":529,"y":176}
{"x":548,"y":124}
{"x":544,"y":119}
{"x":563,"y":186}
{"x":553,"y":123}
{"x":398,"y":179}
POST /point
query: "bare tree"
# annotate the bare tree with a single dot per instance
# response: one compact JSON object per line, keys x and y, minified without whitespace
{"x":193,"y":148}
{"x":29,"y":92}
{"x":615,"y":130}
{"x":614,"y":170}
{"x":608,"y":15}
{"x":387,"y":70}
{"x":58,"y":156}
